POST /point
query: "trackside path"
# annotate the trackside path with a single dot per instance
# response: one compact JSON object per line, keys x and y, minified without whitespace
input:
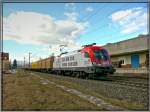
{"x":126,"y":97}
{"x":92,"y":99}
{"x":25,"y":92}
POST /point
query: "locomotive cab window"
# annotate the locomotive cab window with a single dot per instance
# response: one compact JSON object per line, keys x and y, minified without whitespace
{"x":101,"y":54}
{"x":86,"y":55}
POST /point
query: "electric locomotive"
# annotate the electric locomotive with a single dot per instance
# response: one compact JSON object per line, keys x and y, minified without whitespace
{"x":91,"y":60}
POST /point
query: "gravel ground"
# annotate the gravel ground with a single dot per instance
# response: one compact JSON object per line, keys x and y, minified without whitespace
{"x":111,"y":90}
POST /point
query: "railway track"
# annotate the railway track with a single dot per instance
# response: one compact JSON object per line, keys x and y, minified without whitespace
{"x":126,"y":81}
{"x":132,"y":82}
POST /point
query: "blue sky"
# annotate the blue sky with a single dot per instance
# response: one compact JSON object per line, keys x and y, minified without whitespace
{"x":41,"y":27}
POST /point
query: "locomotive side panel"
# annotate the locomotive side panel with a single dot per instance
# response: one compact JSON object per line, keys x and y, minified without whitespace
{"x":56,"y":64}
{"x":74,"y":62}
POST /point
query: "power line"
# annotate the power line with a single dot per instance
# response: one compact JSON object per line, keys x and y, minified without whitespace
{"x":119,"y":36}
{"x":118,"y":8}
{"x":114,"y":28}
{"x":93,"y":14}
{"x":103,"y":26}
{"x":24,"y":62}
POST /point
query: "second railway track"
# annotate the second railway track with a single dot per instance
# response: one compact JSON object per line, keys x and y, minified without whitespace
{"x":132,"y":82}
{"x":125,"y":81}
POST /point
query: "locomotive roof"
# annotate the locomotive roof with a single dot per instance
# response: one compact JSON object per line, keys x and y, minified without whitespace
{"x":78,"y":51}
{"x":93,"y":47}
{"x":70,"y":53}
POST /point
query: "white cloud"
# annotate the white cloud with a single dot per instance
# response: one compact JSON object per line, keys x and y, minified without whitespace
{"x":71,"y":15}
{"x":44,"y":30}
{"x":89,"y":9}
{"x":36,"y":28}
{"x":70,"y":7}
{"x":130,"y":20}
{"x":71,"y":11}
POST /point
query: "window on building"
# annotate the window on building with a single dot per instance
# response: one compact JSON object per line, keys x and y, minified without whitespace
{"x":122,"y":62}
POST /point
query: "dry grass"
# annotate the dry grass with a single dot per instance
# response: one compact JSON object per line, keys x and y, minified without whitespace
{"x":22,"y":91}
{"x":72,"y":84}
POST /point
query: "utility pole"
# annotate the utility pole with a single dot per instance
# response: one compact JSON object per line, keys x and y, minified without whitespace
{"x":24,"y":62}
{"x":40,"y":63}
{"x":21,"y":64}
{"x":29,"y":59}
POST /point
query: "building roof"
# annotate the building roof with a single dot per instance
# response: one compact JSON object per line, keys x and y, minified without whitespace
{"x":137,"y":44}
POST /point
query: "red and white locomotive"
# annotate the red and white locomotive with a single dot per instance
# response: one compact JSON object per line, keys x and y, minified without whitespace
{"x":91,"y":60}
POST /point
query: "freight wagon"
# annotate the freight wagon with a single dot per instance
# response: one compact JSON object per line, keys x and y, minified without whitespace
{"x":43,"y":65}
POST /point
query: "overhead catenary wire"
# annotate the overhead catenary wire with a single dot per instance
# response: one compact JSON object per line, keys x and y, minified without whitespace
{"x":88,"y":17}
{"x":121,"y":7}
{"x":36,"y":54}
{"x":135,"y":32}
{"x":102,"y":27}
{"x":95,"y":13}
{"x":105,"y":25}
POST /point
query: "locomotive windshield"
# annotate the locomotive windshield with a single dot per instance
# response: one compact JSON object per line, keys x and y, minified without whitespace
{"x":101,"y":54}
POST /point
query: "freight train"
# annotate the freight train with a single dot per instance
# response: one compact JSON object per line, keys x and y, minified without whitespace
{"x":90,"y":61}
